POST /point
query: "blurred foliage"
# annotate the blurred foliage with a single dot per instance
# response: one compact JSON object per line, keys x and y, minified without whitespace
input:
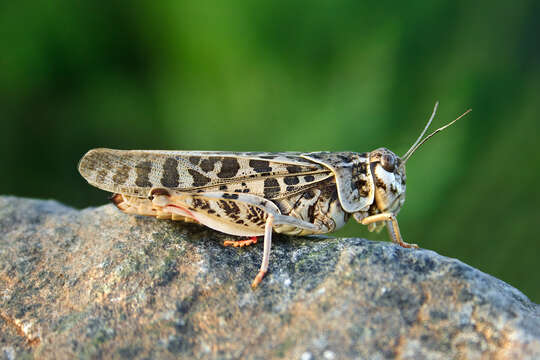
{"x":291,"y":75}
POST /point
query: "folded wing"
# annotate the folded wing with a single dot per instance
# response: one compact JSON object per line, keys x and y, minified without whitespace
{"x":136,"y":172}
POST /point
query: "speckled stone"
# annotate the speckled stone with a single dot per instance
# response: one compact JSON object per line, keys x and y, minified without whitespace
{"x":97,"y":283}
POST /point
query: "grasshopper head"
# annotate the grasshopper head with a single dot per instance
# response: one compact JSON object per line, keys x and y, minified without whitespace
{"x":388,"y":170}
{"x":388,"y":174}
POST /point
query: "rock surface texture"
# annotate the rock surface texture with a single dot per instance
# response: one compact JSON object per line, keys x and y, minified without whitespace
{"x":97,"y":283}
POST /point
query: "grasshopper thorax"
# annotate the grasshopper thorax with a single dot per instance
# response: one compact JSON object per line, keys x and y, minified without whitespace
{"x":389,"y":179}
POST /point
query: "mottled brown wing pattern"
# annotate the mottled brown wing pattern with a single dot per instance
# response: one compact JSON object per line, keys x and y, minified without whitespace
{"x":273,"y":187}
{"x":136,"y":172}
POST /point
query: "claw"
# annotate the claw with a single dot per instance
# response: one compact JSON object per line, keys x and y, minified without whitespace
{"x":407,"y":245}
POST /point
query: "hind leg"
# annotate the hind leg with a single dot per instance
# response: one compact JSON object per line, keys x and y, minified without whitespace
{"x":241,"y":243}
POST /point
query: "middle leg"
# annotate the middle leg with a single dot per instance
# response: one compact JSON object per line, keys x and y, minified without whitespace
{"x":266,"y":253}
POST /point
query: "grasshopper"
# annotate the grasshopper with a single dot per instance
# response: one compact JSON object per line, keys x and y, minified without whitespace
{"x":252,"y":194}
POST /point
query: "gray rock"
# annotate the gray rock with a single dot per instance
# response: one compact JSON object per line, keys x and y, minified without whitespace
{"x":98,"y":283}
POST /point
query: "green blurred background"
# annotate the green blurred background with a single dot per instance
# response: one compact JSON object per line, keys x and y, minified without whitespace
{"x":292,"y":75}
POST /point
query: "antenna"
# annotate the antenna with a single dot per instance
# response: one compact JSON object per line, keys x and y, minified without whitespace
{"x":419,"y":142}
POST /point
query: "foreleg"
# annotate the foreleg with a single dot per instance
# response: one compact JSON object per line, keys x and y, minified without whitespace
{"x":392,"y":225}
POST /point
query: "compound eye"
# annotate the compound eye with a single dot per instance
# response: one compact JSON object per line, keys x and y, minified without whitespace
{"x":388,"y":162}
